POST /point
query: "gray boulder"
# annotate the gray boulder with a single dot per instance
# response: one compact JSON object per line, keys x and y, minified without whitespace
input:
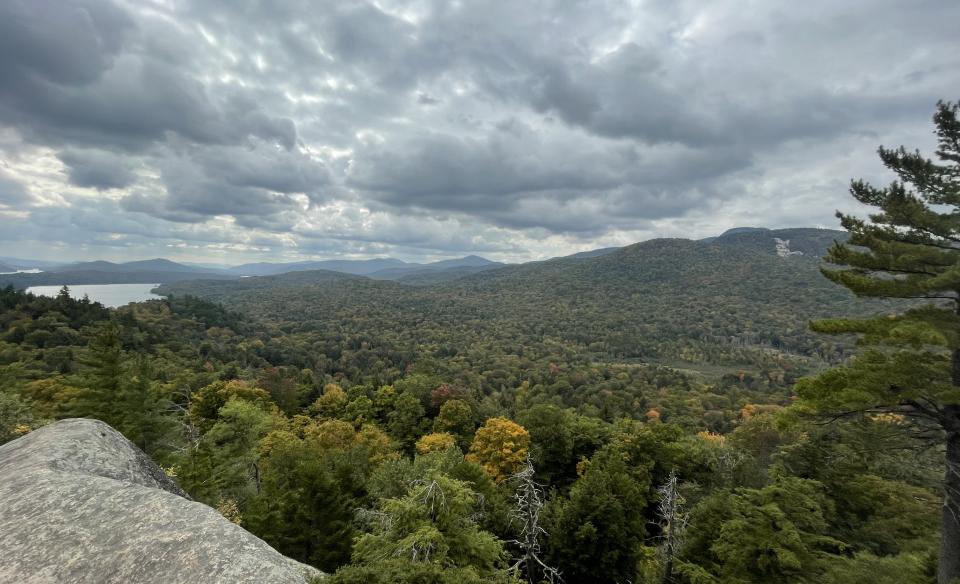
{"x":80,"y":503}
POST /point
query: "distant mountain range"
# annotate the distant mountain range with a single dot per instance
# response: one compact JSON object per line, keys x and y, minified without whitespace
{"x":356,"y":267}
{"x":744,"y":297}
{"x":72,"y":278}
{"x":156,"y":271}
{"x":156,"y":265}
{"x":28,"y":264}
{"x":378,"y":269}
{"x":162,"y":271}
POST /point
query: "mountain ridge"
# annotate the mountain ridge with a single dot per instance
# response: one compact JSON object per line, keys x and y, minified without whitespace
{"x":730,"y":301}
{"x":799,"y":242}
{"x":151,"y":265}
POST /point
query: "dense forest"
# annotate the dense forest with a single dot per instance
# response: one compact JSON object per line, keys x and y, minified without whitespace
{"x":339,"y":469}
{"x":731,"y":302}
{"x":661,"y":413}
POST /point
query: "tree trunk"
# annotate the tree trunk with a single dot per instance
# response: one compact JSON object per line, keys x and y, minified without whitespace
{"x":955,"y":364}
{"x":668,"y":571}
{"x":949,"y":569}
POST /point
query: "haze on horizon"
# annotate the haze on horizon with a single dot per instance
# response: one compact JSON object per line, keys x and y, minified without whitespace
{"x":229,"y":132}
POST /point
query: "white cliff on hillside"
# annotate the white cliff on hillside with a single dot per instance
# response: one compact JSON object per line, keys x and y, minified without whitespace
{"x":783,"y":248}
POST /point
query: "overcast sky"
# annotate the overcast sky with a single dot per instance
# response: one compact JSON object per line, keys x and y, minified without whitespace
{"x":236,"y":130}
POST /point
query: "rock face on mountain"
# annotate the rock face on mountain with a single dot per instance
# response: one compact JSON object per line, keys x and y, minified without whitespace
{"x":80,"y":503}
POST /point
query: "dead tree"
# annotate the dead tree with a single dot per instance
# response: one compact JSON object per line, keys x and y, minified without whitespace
{"x":528,"y":503}
{"x":673,"y":522}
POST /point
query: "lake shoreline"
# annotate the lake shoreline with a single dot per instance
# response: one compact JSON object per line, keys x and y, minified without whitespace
{"x":110,"y":295}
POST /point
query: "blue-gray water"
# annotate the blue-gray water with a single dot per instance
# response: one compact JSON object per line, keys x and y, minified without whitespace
{"x":111,"y":295}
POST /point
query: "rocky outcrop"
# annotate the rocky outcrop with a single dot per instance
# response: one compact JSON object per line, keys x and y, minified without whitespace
{"x":80,"y":503}
{"x":782,"y":246}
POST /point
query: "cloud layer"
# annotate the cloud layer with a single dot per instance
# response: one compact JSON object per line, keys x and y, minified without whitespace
{"x":232,"y":131}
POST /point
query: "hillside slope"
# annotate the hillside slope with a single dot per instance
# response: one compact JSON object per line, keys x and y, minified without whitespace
{"x":21,"y":281}
{"x":377,"y":268}
{"x":154,"y":265}
{"x":356,"y":267}
{"x":743,"y":299}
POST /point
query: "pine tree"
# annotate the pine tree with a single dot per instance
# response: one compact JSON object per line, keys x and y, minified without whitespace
{"x":102,"y":376}
{"x":435,"y":522}
{"x":141,"y":416}
{"x":910,"y":248}
{"x":600,"y":529}
{"x":301,"y":510}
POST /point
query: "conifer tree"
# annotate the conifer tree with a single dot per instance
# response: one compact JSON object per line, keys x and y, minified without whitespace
{"x":435,"y":522}
{"x":301,"y":510}
{"x":141,"y":417}
{"x":600,"y":529}
{"x":101,"y":379}
{"x":909,"y":248}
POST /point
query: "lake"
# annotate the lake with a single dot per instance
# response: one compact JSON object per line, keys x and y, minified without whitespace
{"x":112,"y":295}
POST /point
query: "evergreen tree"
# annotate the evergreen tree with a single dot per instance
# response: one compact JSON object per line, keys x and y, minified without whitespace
{"x":433,"y":523}
{"x":774,"y":534}
{"x":101,"y":378}
{"x":909,"y":248}
{"x":63,"y":296}
{"x":600,"y":529}
{"x":551,"y":434}
{"x":301,"y":510}
{"x":141,"y":415}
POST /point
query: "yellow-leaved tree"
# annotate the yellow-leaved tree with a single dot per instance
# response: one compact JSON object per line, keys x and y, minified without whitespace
{"x":435,"y":442}
{"x":500,"y":447}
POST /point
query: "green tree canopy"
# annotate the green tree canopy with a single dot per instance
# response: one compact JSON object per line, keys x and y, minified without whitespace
{"x":909,"y":249}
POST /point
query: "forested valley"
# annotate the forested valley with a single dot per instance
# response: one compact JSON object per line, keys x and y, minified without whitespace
{"x":661,"y":413}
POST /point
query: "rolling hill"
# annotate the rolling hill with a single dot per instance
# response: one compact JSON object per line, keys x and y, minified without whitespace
{"x":378,"y":268}
{"x":434,"y":277}
{"x":356,"y":267}
{"x":28,"y":264}
{"x":740,"y":300}
{"x":102,"y":272}
{"x":164,"y":271}
{"x":441,"y":271}
{"x":154,"y":265}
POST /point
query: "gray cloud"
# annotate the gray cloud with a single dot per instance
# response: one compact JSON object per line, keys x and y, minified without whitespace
{"x":66,"y":43}
{"x":12,"y":193}
{"x":191,"y":195}
{"x":356,"y":127}
{"x":136,"y":103}
{"x":519,"y":177}
{"x":263,"y":166}
{"x":98,"y":169}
